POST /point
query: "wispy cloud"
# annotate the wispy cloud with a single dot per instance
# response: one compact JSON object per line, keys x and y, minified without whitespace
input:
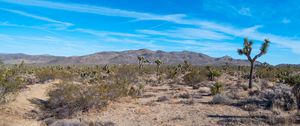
{"x":188,"y":33}
{"x":36,"y":16}
{"x":105,"y":33}
{"x":245,"y":11}
{"x":210,"y":28}
{"x":227,"y":7}
{"x":94,"y":10}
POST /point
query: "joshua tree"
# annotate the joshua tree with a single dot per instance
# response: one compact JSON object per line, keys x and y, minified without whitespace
{"x":158,"y":63}
{"x":142,"y":60}
{"x":247,"y":52}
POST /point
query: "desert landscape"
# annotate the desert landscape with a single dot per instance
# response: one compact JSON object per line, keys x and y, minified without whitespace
{"x":149,"y":63}
{"x":148,"y":92}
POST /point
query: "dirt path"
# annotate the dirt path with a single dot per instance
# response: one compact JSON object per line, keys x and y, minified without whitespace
{"x":16,"y":112}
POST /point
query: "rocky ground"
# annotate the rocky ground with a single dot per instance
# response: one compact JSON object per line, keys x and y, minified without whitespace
{"x":164,"y":104}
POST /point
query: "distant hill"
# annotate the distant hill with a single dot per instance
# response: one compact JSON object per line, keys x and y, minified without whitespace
{"x":122,"y":57}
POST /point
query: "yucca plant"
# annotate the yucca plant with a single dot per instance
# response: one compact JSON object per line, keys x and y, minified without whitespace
{"x":212,"y":73}
{"x":217,"y":88}
{"x":247,"y":49}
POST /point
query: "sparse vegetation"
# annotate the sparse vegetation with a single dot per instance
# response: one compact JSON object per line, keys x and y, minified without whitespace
{"x":11,"y":81}
{"x":84,"y":89}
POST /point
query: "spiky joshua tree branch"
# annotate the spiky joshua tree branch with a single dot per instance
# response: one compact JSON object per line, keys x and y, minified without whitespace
{"x":247,"y":52}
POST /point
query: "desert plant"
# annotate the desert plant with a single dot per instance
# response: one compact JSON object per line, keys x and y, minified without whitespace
{"x":186,"y":66}
{"x":247,"y":49}
{"x":10,"y":81}
{"x":142,"y":60}
{"x":226,"y":67}
{"x":212,"y":73}
{"x":106,"y":68}
{"x":216,"y":89}
{"x":292,"y":80}
{"x":158,"y":63}
{"x":68,"y":97}
{"x":194,"y":77}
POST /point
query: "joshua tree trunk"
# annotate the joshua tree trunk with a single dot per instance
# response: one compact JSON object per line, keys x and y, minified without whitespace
{"x":251,"y":75}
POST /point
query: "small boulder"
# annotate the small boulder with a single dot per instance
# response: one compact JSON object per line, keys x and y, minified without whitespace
{"x":204,"y":90}
{"x":221,"y":99}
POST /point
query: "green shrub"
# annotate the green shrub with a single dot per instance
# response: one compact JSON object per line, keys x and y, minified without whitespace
{"x":217,"y":88}
{"x":45,"y":74}
{"x":212,"y":73}
{"x":10,"y":82}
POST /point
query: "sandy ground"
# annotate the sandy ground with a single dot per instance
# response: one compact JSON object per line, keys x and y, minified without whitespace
{"x":16,"y":112}
{"x":164,"y":105}
{"x":173,"y":111}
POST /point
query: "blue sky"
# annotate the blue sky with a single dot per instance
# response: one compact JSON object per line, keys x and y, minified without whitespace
{"x":213,"y":27}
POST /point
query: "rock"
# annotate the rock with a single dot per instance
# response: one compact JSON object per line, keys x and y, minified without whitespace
{"x":221,"y":99}
{"x":49,"y":121}
{"x":196,"y":86}
{"x":162,"y":99}
{"x":204,"y":90}
{"x":184,"y":95}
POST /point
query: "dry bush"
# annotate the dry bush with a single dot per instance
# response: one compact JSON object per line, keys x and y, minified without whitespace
{"x":11,"y":81}
{"x":46,"y":74}
{"x":194,"y":77}
{"x":292,"y":80}
{"x":68,"y":98}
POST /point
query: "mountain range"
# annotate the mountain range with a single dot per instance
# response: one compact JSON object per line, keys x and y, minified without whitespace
{"x":122,"y":57}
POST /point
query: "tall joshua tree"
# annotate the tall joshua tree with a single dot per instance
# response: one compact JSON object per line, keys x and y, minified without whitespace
{"x":158,"y":63}
{"x":247,"y":52}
